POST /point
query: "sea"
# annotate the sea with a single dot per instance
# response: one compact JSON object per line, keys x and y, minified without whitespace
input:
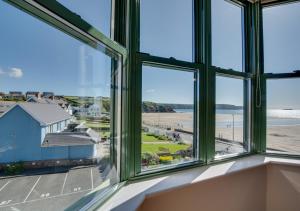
{"x":275,"y":117}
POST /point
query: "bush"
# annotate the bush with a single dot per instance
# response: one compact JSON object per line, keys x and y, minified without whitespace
{"x":15,"y":168}
{"x":165,"y":159}
{"x":149,"y":159}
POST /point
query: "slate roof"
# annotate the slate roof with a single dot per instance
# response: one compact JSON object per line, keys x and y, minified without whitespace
{"x":69,"y":139}
{"x":46,"y":100}
{"x":6,"y":105}
{"x":45,"y":114}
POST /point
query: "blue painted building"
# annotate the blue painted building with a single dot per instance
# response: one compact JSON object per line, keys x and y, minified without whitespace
{"x":36,"y":132}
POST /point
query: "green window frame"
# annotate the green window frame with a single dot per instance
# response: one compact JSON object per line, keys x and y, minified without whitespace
{"x":126,"y":44}
{"x":169,"y":65}
{"x":207,"y":74}
{"x":54,"y":14}
{"x":246,"y":75}
{"x":265,"y":77}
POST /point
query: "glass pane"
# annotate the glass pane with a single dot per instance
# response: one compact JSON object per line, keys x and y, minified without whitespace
{"x":96,"y":12}
{"x":283,"y":116}
{"x":227,"y":35}
{"x":56,"y":115}
{"x":231,"y":135}
{"x":168,"y":117}
{"x":281,"y":38}
{"x":166,"y":28}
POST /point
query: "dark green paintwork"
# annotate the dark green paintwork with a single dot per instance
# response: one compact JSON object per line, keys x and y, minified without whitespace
{"x":124,"y":44}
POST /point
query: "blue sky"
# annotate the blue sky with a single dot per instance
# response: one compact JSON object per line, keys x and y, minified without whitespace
{"x":282,"y":53}
{"x":35,"y":56}
{"x":165,"y":85}
{"x":39,"y":57}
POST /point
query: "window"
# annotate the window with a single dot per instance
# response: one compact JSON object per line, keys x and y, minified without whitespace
{"x":231,"y":117}
{"x":83,"y":158}
{"x":283,"y":116}
{"x":169,"y":34}
{"x":281,"y":30}
{"x":169,"y":134}
{"x":95,"y":12}
{"x":227,"y":35}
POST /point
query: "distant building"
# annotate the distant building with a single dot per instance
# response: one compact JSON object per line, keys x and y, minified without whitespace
{"x":36,"y":131}
{"x":15,"y":95}
{"x":33,"y":94}
{"x":34,"y":99}
{"x":2,"y":94}
{"x":48,"y":95}
{"x":93,"y":110}
{"x":61,"y":102}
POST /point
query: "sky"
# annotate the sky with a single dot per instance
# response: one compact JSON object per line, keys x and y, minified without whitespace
{"x":37,"y":57}
{"x":282,"y":53}
{"x":166,"y":85}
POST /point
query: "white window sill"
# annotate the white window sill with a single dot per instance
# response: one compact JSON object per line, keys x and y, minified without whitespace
{"x":132,"y":195}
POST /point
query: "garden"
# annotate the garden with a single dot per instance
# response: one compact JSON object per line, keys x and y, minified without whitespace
{"x":161,"y":149}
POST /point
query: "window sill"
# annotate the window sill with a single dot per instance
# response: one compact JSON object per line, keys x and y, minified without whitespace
{"x":132,"y":195}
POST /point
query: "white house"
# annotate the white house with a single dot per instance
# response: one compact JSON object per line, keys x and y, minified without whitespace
{"x":93,"y":110}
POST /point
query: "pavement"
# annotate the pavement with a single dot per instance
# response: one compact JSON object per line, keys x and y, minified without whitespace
{"x":226,"y":148}
{"x":45,"y":192}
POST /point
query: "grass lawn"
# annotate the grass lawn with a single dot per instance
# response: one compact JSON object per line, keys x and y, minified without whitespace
{"x":154,"y":148}
{"x":93,"y":124}
{"x":71,"y":97}
{"x":151,"y":138}
{"x":97,"y":125}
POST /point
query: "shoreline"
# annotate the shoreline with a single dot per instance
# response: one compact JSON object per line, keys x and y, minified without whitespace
{"x":279,"y":137}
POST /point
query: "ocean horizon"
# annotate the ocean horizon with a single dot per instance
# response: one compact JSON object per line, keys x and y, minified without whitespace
{"x":275,"y":117}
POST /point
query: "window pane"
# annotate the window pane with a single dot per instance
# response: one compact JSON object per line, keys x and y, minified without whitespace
{"x":283,"y":116}
{"x":231,"y":130}
{"x":95,"y":12}
{"x":227,"y":35}
{"x":168,"y":117}
{"x":166,"y":28}
{"x":281,"y":38}
{"x":56,"y":121}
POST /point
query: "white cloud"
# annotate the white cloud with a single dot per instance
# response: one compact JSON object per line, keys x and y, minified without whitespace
{"x":1,"y":72}
{"x":150,"y":90}
{"x":15,"y":73}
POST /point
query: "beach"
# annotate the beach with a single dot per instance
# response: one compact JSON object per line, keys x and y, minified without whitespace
{"x":283,"y":134}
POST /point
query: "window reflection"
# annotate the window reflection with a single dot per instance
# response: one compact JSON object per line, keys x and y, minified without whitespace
{"x":59,"y":115}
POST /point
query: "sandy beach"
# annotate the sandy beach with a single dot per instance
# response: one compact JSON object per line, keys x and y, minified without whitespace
{"x":284,"y":138}
{"x":279,"y":138}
